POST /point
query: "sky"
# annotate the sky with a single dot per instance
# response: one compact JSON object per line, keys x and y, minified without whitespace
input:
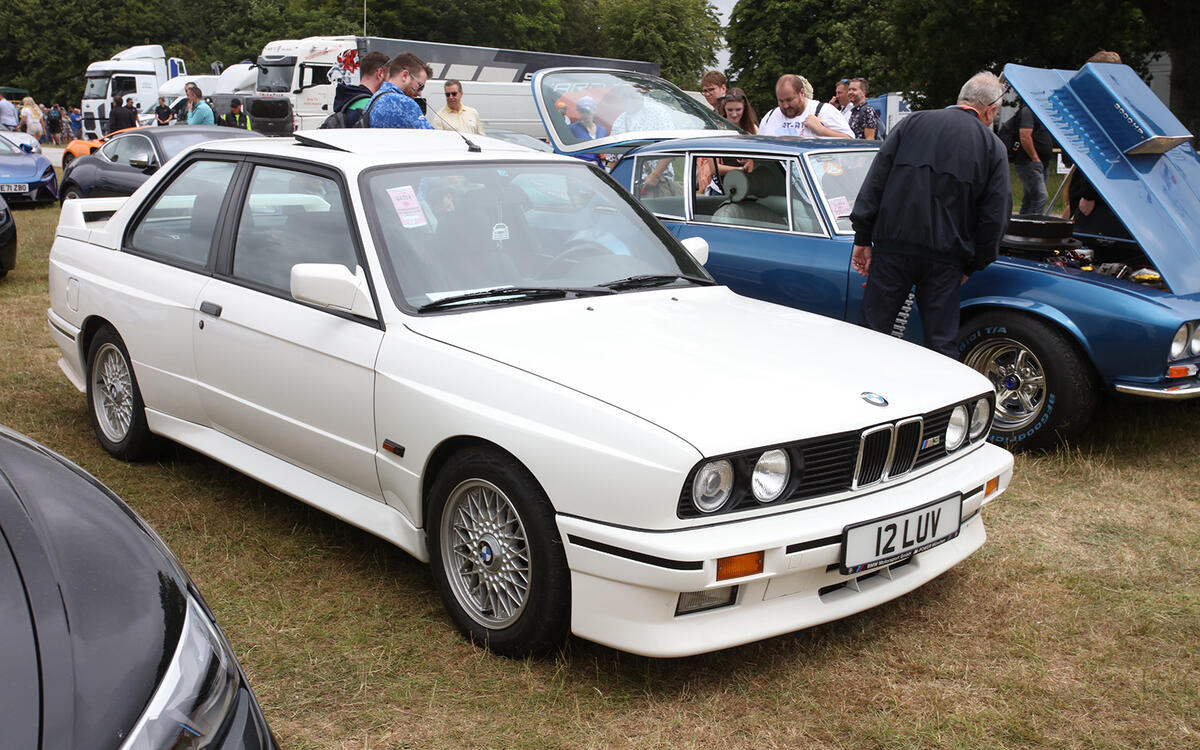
{"x":724,"y":7}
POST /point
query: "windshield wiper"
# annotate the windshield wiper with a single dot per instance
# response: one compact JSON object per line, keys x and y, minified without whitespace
{"x":653,"y":279}
{"x":506,"y":294}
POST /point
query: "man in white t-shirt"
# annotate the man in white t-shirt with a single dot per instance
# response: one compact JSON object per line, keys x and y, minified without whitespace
{"x":797,"y":114}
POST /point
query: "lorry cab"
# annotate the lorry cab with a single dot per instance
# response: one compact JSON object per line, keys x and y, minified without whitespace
{"x":136,"y":72}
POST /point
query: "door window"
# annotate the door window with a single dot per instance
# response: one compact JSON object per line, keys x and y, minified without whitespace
{"x":741,"y":192}
{"x":122,"y":150}
{"x":290,"y":217}
{"x":838,"y":176}
{"x":180,"y":224}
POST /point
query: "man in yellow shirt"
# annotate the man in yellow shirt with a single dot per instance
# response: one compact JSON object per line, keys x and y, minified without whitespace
{"x":456,"y":115}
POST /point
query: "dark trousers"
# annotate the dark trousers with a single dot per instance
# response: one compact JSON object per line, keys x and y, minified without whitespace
{"x":893,"y":275}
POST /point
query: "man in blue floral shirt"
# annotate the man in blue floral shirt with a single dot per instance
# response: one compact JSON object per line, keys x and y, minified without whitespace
{"x":864,"y":120}
{"x":393,"y":105}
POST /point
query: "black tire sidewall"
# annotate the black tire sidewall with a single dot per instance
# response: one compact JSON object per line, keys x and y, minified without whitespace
{"x":1071,"y":391}
{"x":544,"y":623}
{"x":137,"y":439}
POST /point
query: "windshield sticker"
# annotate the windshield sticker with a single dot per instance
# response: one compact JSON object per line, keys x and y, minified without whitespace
{"x":840,"y":205}
{"x":833,"y":168}
{"x":408,"y":208}
{"x":500,"y":233}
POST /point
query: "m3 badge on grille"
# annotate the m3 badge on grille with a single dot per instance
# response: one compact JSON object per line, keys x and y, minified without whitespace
{"x":874,"y":398}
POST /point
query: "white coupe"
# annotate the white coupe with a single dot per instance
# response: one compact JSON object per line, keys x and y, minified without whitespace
{"x":497,"y":360}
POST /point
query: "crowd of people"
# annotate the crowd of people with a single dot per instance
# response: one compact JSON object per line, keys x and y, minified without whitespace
{"x":53,"y":125}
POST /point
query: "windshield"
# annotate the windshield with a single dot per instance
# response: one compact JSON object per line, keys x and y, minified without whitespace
{"x":277,"y":75}
{"x":96,"y":87}
{"x":450,"y":230}
{"x":614,"y":103}
{"x":8,"y":148}
{"x":838,"y":176}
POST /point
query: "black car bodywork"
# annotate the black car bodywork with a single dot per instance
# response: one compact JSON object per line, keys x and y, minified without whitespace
{"x":98,"y":616}
{"x":8,"y":239}
{"x":128,"y":159}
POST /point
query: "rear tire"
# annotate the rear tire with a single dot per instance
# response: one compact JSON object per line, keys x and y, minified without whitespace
{"x":68,"y":157}
{"x":497,"y":556}
{"x":1045,"y":389}
{"x":115,"y":405}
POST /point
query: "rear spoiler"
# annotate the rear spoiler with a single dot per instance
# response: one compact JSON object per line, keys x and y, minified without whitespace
{"x":84,"y":218}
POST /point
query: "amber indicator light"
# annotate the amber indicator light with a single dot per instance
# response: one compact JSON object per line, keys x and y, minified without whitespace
{"x":739,"y":565}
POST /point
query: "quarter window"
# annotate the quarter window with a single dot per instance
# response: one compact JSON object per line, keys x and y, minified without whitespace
{"x":179,"y":225}
{"x":290,"y":217}
{"x":659,"y":184}
{"x":838,"y":177}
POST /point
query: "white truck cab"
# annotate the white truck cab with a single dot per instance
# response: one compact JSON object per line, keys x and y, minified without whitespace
{"x":136,"y":72}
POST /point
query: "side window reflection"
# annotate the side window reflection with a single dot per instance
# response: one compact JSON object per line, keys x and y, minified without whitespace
{"x":179,"y":225}
{"x":290,"y":217}
{"x":658,"y":183}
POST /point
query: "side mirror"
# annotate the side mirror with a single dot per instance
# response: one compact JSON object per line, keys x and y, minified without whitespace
{"x":26,"y":148}
{"x":143,"y":162}
{"x":698,"y":247}
{"x":332,"y":285}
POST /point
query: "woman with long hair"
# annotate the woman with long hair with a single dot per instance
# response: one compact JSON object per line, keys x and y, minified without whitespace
{"x":31,"y":118}
{"x":736,"y":108}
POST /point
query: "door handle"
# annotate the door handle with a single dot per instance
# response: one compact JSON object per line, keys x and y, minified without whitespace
{"x":210,"y":308}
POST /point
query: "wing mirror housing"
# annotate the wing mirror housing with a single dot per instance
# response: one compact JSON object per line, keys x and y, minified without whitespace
{"x":332,"y":285}
{"x":144,"y":163}
{"x":698,"y":247}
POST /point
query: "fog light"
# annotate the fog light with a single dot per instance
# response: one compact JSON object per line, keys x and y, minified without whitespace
{"x":737,"y":566}
{"x":698,"y":601}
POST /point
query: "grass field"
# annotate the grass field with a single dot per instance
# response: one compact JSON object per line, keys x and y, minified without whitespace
{"x":1077,"y":625}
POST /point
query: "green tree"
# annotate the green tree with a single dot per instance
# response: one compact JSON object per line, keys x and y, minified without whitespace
{"x":681,"y":35}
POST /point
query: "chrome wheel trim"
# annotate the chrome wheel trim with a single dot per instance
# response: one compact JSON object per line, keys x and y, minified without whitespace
{"x":485,"y":553}
{"x":1018,"y":378}
{"x":112,"y":393}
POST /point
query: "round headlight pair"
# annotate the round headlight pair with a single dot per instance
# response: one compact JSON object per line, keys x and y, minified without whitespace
{"x":1194,"y":344}
{"x":1183,"y":341}
{"x":713,"y":485}
{"x":964,"y":424}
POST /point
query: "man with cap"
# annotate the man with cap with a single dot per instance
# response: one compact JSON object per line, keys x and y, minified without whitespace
{"x":236,"y":117}
{"x":586,"y":128}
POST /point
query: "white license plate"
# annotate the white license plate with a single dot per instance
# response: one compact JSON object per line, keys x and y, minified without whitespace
{"x":15,"y":187}
{"x":886,"y":540}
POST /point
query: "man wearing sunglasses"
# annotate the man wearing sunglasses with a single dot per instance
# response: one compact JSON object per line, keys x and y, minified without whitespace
{"x":455,"y":115}
{"x":931,"y":211}
{"x":394,"y":105}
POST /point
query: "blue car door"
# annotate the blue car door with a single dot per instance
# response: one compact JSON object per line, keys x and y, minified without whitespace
{"x":767,"y":238}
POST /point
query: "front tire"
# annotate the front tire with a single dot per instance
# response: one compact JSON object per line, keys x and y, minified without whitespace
{"x":115,"y":405}
{"x":71,"y":192}
{"x":1045,"y":389}
{"x":497,"y":556}
{"x":68,"y":157}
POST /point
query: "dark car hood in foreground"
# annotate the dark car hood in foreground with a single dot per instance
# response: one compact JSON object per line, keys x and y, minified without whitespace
{"x":107,"y":602}
{"x":1133,"y":150}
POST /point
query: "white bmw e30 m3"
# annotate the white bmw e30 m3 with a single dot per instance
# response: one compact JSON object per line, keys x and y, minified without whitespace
{"x":497,"y":360}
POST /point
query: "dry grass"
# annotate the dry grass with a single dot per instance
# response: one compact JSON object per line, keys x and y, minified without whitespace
{"x":1076,"y":626}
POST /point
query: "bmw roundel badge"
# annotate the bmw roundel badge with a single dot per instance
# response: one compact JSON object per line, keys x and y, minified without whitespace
{"x":874,"y":399}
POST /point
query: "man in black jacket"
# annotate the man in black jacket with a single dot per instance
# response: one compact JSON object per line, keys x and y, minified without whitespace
{"x":931,"y":211}
{"x":120,"y":116}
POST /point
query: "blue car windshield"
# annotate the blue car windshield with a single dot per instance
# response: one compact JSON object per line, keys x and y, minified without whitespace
{"x":594,"y":104}
{"x":454,"y":229}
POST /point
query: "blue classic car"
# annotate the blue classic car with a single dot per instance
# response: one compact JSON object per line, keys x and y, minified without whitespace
{"x":1060,"y":318}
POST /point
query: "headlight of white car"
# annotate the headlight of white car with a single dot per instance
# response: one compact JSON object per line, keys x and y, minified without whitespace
{"x":981,"y":419}
{"x":956,"y":430}
{"x":195,"y":693}
{"x":771,"y":473}
{"x":712,"y":486}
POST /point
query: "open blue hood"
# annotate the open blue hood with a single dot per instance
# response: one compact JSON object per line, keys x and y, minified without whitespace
{"x":1133,"y":150}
